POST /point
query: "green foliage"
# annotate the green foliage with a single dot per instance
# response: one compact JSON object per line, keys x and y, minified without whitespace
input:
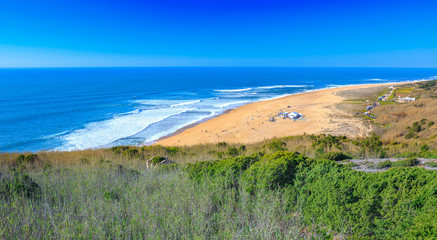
{"x":416,"y":128}
{"x":431,"y":164}
{"x":232,"y":152}
{"x":351,"y":164}
{"x":273,"y":171}
{"x":232,"y":167}
{"x":19,"y":184}
{"x":323,"y":142}
{"x":111,"y":195}
{"x":85,"y":161}
{"x":369,"y":205}
{"x":242,"y":148}
{"x":430,"y":124}
{"x":119,"y":149}
{"x":131,"y":152}
{"x":30,"y":158}
{"x":157,"y":159}
{"x":410,"y":135}
{"x":428,"y":84}
{"x":172,"y":150}
{"x":365,"y":205}
{"x":409,"y":162}
{"x":384,"y":164}
{"x":222,"y":144}
{"x":277,"y":145}
{"x":335,"y":156}
{"x":371,"y":147}
{"x":424,"y":148}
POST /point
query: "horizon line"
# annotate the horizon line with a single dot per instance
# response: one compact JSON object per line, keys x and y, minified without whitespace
{"x":204,"y":66}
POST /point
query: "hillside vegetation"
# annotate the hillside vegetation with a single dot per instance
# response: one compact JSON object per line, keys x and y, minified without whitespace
{"x":222,"y":191}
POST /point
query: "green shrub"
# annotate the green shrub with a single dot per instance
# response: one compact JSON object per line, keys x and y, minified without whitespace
{"x":409,"y":162}
{"x":335,"y":156}
{"x":231,"y":167}
{"x":85,"y":160}
{"x":221,"y":144}
{"x":242,"y":148}
{"x":409,"y":135}
{"x":424,"y":148}
{"x":157,"y":159}
{"x":351,"y":164}
{"x":31,"y":158}
{"x":119,"y":149}
{"x":384,"y":164}
{"x":277,"y":145}
{"x":232,"y":152}
{"x":126,"y":172}
{"x":172,"y":150}
{"x":431,"y":164}
{"x":275,"y":170}
{"x":131,"y":152}
{"x":111,"y":195}
{"x":19,"y":184}
{"x":430,"y":124}
{"x":416,"y":128}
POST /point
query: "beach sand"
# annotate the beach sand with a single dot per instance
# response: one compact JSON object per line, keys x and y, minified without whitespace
{"x":250,"y":123}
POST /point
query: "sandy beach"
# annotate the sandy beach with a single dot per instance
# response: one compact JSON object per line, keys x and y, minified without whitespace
{"x":250,"y":123}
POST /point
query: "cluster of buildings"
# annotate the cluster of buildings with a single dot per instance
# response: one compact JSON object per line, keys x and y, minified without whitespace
{"x":384,"y":98}
{"x":406,"y":99}
{"x":290,"y":115}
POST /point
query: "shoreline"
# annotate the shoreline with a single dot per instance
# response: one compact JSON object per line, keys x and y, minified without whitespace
{"x":219,"y":125}
{"x":191,"y":125}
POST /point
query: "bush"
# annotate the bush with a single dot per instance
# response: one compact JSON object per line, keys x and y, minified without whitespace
{"x":351,"y":164}
{"x":277,"y":145}
{"x":416,"y":128}
{"x":409,"y":162}
{"x":31,"y":158}
{"x":335,"y":156}
{"x":157,"y":159}
{"x":119,"y":149}
{"x":431,"y":164}
{"x":430,"y":124}
{"x":172,"y":150}
{"x":273,"y":171}
{"x":111,"y":195}
{"x":242,"y":148}
{"x":221,"y":144}
{"x":232,"y":152}
{"x":85,"y":160}
{"x":19,"y":184}
{"x":131,"y":152}
{"x":410,"y":135}
{"x":424,"y":148}
{"x":384,"y":164}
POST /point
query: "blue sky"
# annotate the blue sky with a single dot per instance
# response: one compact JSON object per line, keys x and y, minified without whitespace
{"x":79,"y":33}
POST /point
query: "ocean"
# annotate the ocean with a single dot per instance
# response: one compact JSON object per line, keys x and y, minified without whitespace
{"x":81,"y":108}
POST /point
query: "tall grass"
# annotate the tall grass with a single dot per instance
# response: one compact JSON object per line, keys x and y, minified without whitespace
{"x":108,"y":202}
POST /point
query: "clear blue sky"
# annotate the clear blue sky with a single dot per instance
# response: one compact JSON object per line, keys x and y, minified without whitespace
{"x":76,"y":33}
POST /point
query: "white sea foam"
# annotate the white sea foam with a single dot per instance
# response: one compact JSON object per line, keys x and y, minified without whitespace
{"x":56,"y":135}
{"x":284,"y":86}
{"x":233,"y":90}
{"x":278,"y":96}
{"x":101,"y":133}
{"x":376,"y":79}
{"x":185,"y":103}
{"x":228,"y":104}
{"x":159,"y":134}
